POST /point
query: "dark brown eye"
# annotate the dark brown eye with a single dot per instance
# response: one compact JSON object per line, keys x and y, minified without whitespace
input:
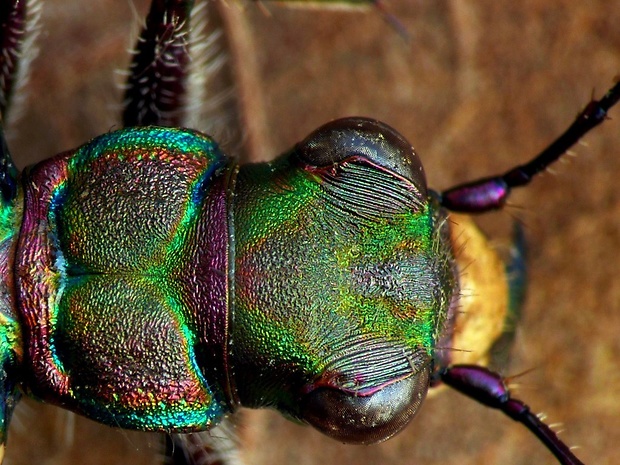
{"x":364,"y":139}
{"x":360,"y":419}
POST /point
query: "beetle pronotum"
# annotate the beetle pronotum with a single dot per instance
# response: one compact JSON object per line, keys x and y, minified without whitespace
{"x":425,"y":99}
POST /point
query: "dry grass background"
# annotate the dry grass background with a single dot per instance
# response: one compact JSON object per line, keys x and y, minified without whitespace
{"x":482,"y":86}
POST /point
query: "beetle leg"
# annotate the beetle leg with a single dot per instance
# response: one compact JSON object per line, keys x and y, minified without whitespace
{"x":157,"y":84}
{"x":18,"y":29}
{"x":491,"y":193}
{"x":12,"y":30}
{"x":489,"y":388}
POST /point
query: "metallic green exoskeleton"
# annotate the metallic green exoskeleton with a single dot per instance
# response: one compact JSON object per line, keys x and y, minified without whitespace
{"x":344,"y":230}
{"x":150,"y":282}
{"x":160,"y":285}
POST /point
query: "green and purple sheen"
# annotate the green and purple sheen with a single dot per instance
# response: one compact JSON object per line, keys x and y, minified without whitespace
{"x":339,"y":273}
{"x":160,"y":286}
{"x":121,"y":273}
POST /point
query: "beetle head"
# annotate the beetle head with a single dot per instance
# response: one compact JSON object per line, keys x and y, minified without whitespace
{"x":343,"y":282}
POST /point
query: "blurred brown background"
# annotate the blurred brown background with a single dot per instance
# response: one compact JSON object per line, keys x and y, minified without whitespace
{"x":480,"y":87}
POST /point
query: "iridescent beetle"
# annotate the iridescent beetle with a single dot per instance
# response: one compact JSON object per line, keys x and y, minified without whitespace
{"x":151,"y":283}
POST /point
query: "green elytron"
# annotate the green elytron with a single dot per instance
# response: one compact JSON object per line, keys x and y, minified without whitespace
{"x":149,"y":282}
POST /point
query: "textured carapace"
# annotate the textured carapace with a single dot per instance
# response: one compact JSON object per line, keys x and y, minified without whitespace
{"x":150,"y":282}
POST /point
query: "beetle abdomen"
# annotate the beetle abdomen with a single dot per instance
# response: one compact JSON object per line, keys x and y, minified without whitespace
{"x":121,"y":276}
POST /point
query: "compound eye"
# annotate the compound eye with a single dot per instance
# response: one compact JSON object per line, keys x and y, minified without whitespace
{"x":364,"y":139}
{"x":361,"y":419}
